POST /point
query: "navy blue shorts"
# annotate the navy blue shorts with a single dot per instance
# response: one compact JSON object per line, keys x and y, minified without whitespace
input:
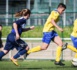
{"x":74,"y":40}
{"x":11,"y":43}
{"x":48,"y":36}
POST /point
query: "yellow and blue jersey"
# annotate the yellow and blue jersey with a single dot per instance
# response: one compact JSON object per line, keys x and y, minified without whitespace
{"x":74,"y":33}
{"x":48,"y":27}
{"x":48,"y":30}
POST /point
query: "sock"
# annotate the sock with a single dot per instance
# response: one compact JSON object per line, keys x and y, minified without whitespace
{"x":75,"y":55}
{"x":58,"y":53}
{"x":72,"y":48}
{"x":35,"y":49}
{"x":1,"y":54}
{"x":19,"y":54}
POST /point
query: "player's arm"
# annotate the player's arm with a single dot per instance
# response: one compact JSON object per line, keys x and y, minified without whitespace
{"x":27,"y":29}
{"x":55,"y":15}
{"x":16,"y":31}
{"x":54,"y":23}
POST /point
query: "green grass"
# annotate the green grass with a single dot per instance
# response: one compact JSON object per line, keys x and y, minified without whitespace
{"x":37,"y":32}
{"x":35,"y":65}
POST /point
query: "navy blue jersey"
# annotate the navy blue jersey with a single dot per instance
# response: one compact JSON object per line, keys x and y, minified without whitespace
{"x":19,"y":23}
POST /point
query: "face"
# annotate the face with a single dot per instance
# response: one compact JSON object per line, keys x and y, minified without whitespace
{"x":27,"y":16}
{"x":61,"y":10}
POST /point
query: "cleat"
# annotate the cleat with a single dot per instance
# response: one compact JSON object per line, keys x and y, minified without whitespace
{"x":59,"y":63}
{"x":14,"y":61}
{"x":64,"y":46}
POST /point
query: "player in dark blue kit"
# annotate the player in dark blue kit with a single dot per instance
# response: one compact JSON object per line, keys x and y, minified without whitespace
{"x":13,"y":39}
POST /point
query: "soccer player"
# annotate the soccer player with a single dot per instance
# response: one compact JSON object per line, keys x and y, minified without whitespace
{"x":14,"y":40}
{"x":1,"y":45}
{"x":49,"y":33}
{"x":74,"y":39}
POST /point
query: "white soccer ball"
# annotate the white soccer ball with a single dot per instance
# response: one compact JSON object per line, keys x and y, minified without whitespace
{"x":74,"y":62}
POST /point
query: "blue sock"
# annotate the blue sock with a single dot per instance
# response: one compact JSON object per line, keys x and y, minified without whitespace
{"x":19,"y":54}
{"x":1,"y":54}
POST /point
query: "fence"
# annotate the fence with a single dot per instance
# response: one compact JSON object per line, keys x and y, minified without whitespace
{"x":40,"y":10}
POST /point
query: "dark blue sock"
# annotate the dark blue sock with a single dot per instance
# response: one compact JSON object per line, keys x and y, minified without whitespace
{"x":1,"y":54}
{"x":19,"y":54}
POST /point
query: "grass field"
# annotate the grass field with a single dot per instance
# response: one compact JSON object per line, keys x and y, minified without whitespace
{"x":35,"y":65}
{"x":37,"y":32}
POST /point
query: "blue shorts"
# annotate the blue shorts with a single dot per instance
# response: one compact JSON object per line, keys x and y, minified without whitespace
{"x":48,"y":36}
{"x":74,"y":40}
{"x":12,"y":43}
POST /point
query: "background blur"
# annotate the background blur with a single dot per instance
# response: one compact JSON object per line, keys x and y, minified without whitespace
{"x":40,"y":11}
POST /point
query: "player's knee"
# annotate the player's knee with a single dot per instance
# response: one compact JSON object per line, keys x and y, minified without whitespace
{"x":43,"y":48}
{"x":61,"y":44}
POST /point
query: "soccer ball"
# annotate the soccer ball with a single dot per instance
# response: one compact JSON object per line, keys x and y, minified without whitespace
{"x":74,"y":62}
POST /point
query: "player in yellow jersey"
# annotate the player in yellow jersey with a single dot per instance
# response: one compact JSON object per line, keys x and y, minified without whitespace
{"x":74,"y":39}
{"x":50,"y":34}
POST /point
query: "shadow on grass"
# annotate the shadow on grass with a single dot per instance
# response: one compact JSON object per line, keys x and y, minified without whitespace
{"x":30,"y":68}
{"x":49,"y":68}
{"x":53,"y":68}
{"x":43,"y":68}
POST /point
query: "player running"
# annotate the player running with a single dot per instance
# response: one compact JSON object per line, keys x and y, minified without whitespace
{"x":49,"y":33}
{"x":14,"y":40}
{"x":74,"y":39}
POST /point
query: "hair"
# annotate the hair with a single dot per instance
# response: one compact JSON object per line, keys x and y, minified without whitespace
{"x":23,"y":12}
{"x":61,"y":5}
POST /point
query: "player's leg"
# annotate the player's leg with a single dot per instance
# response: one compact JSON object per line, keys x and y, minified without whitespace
{"x":45,"y":43}
{"x":34,"y":49}
{"x":17,"y":55}
{"x":5,"y":50}
{"x":73,"y":48}
{"x":44,"y":46}
{"x":20,"y":53}
{"x":2,"y":53}
{"x":8,"y":46}
{"x":22,"y":49}
{"x":59,"y":42}
{"x":75,"y":55}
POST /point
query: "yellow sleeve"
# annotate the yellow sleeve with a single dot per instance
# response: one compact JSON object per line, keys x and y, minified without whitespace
{"x":54,"y":15}
{"x":75,"y":26}
{"x":74,"y":33}
{"x":75,"y":23}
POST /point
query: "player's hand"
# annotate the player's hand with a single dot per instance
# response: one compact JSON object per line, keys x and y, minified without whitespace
{"x":17,"y":36}
{"x":60,"y":29}
{"x":32,"y":27}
